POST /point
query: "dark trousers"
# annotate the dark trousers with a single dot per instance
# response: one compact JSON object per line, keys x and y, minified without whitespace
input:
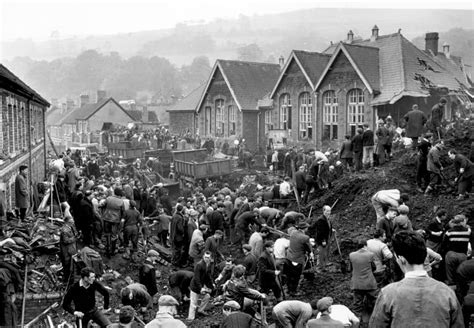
{"x":163,"y":237}
{"x":422,"y":174}
{"x":130,"y":234}
{"x":464,"y":185}
{"x":87,"y":235}
{"x":468,"y":309}
{"x":22,"y":213}
{"x":358,"y":160}
{"x":364,"y":301}
{"x":97,"y":316}
{"x":453,"y":259}
{"x":178,"y":254}
{"x":435,"y":179}
{"x":111,"y":233}
{"x":294,"y":273}
{"x":273,"y":286}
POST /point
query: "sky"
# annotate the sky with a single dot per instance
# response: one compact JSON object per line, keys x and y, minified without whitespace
{"x":40,"y":20}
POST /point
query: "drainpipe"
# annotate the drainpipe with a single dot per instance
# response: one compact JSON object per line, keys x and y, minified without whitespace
{"x":258,"y":129}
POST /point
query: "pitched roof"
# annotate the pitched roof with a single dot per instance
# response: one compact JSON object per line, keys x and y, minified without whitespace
{"x":189,"y":102}
{"x":54,"y":116}
{"x":313,"y":63}
{"x":364,"y":60}
{"x":86,"y":111}
{"x":406,"y":70}
{"x":247,"y":81}
{"x":13,"y":79}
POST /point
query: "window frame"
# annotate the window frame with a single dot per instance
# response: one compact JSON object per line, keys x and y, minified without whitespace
{"x":285,"y":108}
{"x":219,"y":106}
{"x":330,"y":115}
{"x":232,"y":118}
{"x":355,"y":110}
{"x":305,"y":126}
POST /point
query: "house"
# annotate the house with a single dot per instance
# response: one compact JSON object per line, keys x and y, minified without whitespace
{"x":22,"y":132}
{"x":320,"y":97}
{"x":84,"y":124}
{"x":182,"y":115}
{"x":229,"y":106}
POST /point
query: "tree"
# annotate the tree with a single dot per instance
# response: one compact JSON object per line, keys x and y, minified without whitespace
{"x":251,"y":52}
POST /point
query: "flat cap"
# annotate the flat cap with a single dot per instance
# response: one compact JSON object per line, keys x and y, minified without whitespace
{"x":324,"y":303}
{"x":232,"y":304}
{"x":152,"y":253}
{"x":167,"y":300}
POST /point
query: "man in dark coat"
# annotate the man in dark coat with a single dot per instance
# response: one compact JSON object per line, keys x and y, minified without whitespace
{"x":323,"y":235}
{"x":437,"y":114}
{"x":368,"y":146}
{"x":300,"y":179}
{"x":216,"y":219}
{"x":357,"y":147}
{"x":22,"y":196}
{"x":415,"y":120}
{"x":179,"y":282}
{"x":465,"y":170}
{"x":422,"y":174}
{"x":85,"y":218}
{"x":299,"y":248}
{"x":346,"y":153}
{"x":268,"y":273}
{"x":147,"y":272}
{"x":177,"y":236}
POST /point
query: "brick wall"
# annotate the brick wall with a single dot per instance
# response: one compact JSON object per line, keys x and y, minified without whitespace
{"x":294,"y":83}
{"x":21,"y":121}
{"x":218,"y":89}
{"x":342,"y":78}
{"x":180,"y":121}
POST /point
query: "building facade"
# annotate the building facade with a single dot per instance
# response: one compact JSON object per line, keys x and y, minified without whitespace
{"x":22,"y":133}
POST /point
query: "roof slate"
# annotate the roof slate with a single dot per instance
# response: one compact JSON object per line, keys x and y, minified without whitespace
{"x":7,"y":74}
{"x":367,"y":60}
{"x":313,"y":63}
{"x":249,"y":81}
{"x":53,"y":117}
{"x":189,"y":102}
{"x":405,"y":69}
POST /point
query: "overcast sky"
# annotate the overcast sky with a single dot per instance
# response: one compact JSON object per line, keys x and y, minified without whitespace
{"x":39,"y":19}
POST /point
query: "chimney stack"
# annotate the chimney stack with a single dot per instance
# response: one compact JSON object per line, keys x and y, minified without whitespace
{"x":84,"y":100}
{"x":446,"y":50}
{"x":101,"y":95}
{"x":431,"y":42}
{"x":281,"y":61}
{"x":375,"y":33}
{"x":350,"y":36}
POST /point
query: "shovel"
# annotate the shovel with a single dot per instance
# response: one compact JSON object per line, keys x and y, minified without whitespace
{"x":342,"y":263}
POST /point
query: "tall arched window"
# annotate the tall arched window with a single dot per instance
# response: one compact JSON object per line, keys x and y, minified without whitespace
{"x":330,"y":115}
{"x":232,"y":120}
{"x":285,"y":111}
{"x":219,"y":117}
{"x":355,"y":110}
{"x":306,"y":110}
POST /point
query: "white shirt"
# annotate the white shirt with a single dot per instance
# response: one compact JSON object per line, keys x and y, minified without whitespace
{"x":285,"y":188}
{"x":280,"y":247}
{"x":341,"y":313}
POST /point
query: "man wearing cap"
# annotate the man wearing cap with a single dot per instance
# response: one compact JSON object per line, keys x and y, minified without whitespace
{"x":242,"y":223}
{"x":178,"y":225}
{"x":298,"y":250}
{"x":250,"y":263}
{"x":163,"y":220}
{"x":324,"y":319}
{"x":415,"y":120}
{"x":85,"y":217}
{"x":213,"y":245}
{"x":386,"y":223}
{"x":346,"y":152}
{"x":165,"y":316}
{"x":382,"y":140}
{"x":340,"y":313}
{"x":437,"y":115}
{"x":131,"y":223}
{"x":201,"y":286}
{"x":434,"y":166}
{"x":147,"y":272}
{"x":235,"y":318}
{"x":417,"y":300}
{"x":268,"y":273}
{"x":293,"y":313}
